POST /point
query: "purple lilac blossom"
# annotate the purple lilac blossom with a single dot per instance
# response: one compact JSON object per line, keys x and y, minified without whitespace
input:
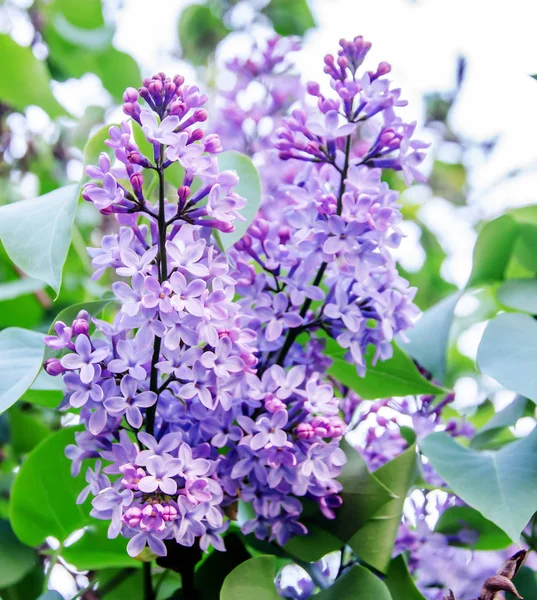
{"x":203,"y":353}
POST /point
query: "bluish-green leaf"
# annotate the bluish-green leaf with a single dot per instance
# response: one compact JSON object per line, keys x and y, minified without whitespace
{"x":43,"y":498}
{"x":508,"y":351}
{"x":51,"y":595}
{"x":25,"y":79}
{"x":21,"y":356}
{"x":520,"y":294}
{"x":37,"y":233}
{"x":507,"y":417}
{"x":16,"y":559}
{"x":249,"y":187}
{"x":499,"y":484}
{"x":357,"y":583}
{"x":253,"y":578}
{"x":431,"y":350}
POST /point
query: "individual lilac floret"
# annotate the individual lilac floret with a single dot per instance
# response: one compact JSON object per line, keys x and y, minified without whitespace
{"x":84,"y":358}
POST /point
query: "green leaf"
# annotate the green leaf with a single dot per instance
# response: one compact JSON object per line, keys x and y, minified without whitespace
{"x":253,"y":578}
{"x":458,"y":518}
{"x":313,"y":546}
{"x":21,"y":356}
{"x":19,"y":287}
{"x":95,"y":145}
{"x":68,"y":315}
{"x":249,"y":187}
{"x":29,"y":587}
{"x":507,"y":417}
{"x":363,"y":495}
{"x":86,"y":14}
{"x":397,"y":376}
{"x":431,"y":350}
{"x":26,"y":429}
{"x":373,"y":543}
{"x":400,"y":582}
{"x":493,"y":250}
{"x":200,"y":30}
{"x":289,"y":18}
{"x":526,"y":583}
{"x":25,"y":79}
{"x":212,"y":572}
{"x":45,"y":391}
{"x":117,"y":70}
{"x":507,"y":352}
{"x":499,"y":484}
{"x":356,"y":584}
{"x":37,"y":233}
{"x":16,"y":560}
{"x":520,"y":294}
{"x":43,"y":498}
{"x":111,"y":553}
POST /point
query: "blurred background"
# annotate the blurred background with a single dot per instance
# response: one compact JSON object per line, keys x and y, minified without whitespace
{"x":465,"y":66}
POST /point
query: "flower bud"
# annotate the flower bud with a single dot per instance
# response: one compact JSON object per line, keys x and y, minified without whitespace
{"x":80,"y":327}
{"x":53,"y":367}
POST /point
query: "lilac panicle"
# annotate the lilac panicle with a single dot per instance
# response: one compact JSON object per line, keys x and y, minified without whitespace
{"x":198,"y":393}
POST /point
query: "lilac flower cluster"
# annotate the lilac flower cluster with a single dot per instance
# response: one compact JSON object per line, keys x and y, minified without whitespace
{"x":322,"y":242}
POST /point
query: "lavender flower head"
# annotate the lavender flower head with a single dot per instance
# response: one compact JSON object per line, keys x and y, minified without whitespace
{"x":199,"y":393}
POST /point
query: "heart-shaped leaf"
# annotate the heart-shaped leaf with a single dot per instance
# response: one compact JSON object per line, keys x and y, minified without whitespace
{"x":499,"y":484}
{"x":253,"y":578}
{"x":21,"y":356}
{"x":508,"y":351}
{"x":356,"y":584}
{"x":37,"y":233}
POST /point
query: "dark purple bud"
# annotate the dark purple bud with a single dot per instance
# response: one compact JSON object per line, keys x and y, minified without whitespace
{"x":137,"y":181}
{"x":178,"y":80}
{"x":80,"y":327}
{"x":130,"y":95}
{"x":137,"y":159}
{"x":53,"y":367}
{"x":200,"y":115}
{"x":213,"y":144}
{"x":313,"y":88}
{"x":195,"y":136}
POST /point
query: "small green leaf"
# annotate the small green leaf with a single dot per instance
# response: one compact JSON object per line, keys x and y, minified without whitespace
{"x":374,"y":542}
{"x":252,"y":579}
{"x":520,"y":294}
{"x":356,"y":584}
{"x":400,"y":582}
{"x":21,"y":356}
{"x":249,"y":187}
{"x":211,"y":574}
{"x":68,"y":315}
{"x":458,"y":518}
{"x":397,"y":376}
{"x":431,"y":350}
{"x":200,"y":31}
{"x":111,"y":553}
{"x":493,"y":250}
{"x":290,"y":18}
{"x":25,"y":79}
{"x":43,"y":497}
{"x":95,"y":145}
{"x":16,"y":560}
{"x":26,"y":429}
{"x":363,"y":495}
{"x":499,"y":484}
{"x":19,"y":287}
{"x":507,"y":352}
{"x":498,"y":422}
{"x":37,"y":233}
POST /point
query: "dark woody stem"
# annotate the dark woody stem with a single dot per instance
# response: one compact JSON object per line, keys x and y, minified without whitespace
{"x":294,"y":333}
{"x":163,"y":270}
